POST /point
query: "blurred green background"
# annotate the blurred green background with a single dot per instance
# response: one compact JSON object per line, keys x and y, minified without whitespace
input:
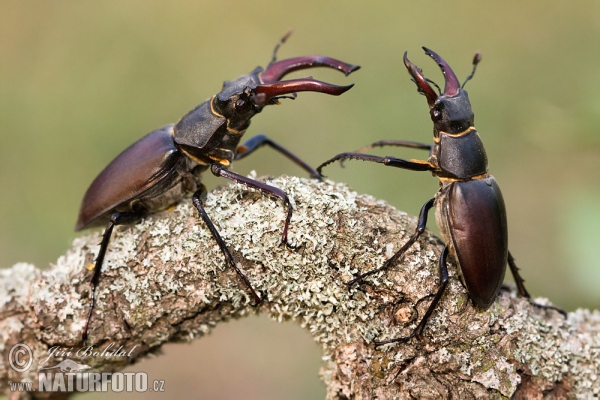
{"x":80,"y":81}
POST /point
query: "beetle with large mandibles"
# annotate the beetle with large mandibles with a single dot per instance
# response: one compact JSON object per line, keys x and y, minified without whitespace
{"x":161,"y":168}
{"x":470,"y":210}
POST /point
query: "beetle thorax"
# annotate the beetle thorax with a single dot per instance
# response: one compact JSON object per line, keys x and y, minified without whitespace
{"x":461,"y":156}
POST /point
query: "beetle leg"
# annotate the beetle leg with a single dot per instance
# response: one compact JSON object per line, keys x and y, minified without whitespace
{"x":198,"y":199}
{"x":399,"y":143}
{"x":418,"y":332}
{"x":520,"y":282}
{"x":116,"y":218}
{"x":260,"y":140}
{"x":393,"y":259}
{"x":219,"y":170}
{"x":521,"y":287}
{"x":413,"y":165}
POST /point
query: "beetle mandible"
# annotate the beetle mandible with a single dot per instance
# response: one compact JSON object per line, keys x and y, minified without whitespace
{"x":164,"y":166}
{"x":470,"y":211}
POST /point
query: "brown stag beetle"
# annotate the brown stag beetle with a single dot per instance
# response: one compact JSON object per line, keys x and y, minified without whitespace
{"x":470,"y":210}
{"x":164,"y":166}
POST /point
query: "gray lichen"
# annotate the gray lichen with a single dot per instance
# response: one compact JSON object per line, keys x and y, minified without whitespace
{"x":165,"y":279}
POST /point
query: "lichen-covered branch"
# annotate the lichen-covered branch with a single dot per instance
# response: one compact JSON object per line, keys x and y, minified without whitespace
{"x":165,"y":280}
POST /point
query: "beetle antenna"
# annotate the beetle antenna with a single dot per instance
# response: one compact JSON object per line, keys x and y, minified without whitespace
{"x":476,"y":60}
{"x":434,"y":84}
{"x":278,"y":45}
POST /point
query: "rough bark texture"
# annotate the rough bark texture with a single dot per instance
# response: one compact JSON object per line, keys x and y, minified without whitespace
{"x":165,"y":280}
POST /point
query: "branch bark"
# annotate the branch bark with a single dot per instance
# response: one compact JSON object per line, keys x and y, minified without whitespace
{"x":165,"y":280}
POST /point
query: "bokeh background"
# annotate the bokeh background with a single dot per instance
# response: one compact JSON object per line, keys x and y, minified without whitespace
{"x":80,"y":81}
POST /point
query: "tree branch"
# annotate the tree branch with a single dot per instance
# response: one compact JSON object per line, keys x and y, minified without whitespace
{"x":165,"y":280}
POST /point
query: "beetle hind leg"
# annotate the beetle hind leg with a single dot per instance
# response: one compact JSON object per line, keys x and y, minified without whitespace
{"x":521,"y":287}
{"x":198,"y":200}
{"x":520,"y":282}
{"x":418,"y":332}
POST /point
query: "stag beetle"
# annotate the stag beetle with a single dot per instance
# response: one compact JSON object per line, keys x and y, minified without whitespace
{"x":164,"y":166}
{"x":470,"y":210}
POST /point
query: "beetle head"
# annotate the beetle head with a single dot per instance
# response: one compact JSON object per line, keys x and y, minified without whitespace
{"x":235,"y":103}
{"x":451,"y":110}
{"x":241,"y":99}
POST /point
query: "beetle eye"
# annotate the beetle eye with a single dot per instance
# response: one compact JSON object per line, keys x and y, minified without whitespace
{"x":436,"y":114}
{"x":242,"y":106}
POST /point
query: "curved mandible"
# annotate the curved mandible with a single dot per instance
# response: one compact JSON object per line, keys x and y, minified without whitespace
{"x":420,"y":80}
{"x":277,"y":70}
{"x":452,"y":86}
{"x":263,"y":94}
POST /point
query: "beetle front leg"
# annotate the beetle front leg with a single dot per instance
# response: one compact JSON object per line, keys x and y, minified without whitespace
{"x":413,"y":165}
{"x":116,"y":218}
{"x":219,"y":170}
{"x":398,"y":143}
{"x":418,"y":332}
{"x":260,"y":140}
{"x":198,"y":199}
{"x":393,"y":259}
